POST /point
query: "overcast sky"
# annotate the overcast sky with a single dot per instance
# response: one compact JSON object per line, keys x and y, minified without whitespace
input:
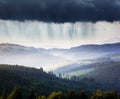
{"x":60,"y":10}
{"x":59,"y":23}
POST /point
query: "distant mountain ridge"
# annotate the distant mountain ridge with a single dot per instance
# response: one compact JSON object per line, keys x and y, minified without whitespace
{"x":92,"y":60}
{"x":95,"y":47}
{"x":48,"y":57}
{"x":15,"y":48}
{"x":28,"y":56}
{"x":90,"y":47}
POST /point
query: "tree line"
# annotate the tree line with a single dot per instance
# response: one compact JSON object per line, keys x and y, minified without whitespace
{"x":16,"y":93}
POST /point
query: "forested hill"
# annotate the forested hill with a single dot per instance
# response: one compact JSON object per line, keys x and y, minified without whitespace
{"x":40,"y":81}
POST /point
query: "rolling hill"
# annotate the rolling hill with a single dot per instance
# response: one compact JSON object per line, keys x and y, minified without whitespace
{"x":40,"y":57}
{"x":102,"y":72}
{"x":29,"y":56}
{"x":97,"y":62}
{"x":40,"y":81}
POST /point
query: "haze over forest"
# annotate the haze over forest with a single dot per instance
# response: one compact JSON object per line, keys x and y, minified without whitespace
{"x":60,"y":45}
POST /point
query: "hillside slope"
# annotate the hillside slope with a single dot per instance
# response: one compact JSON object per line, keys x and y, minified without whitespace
{"x":106,"y":72}
{"x":40,"y":81}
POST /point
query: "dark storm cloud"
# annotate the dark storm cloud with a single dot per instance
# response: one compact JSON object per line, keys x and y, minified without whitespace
{"x":61,"y":10}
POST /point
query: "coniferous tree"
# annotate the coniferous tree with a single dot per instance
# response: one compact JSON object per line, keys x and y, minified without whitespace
{"x":72,"y":95}
{"x":4,"y":95}
{"x":111,"y":95}
{"x":15,"y":94}
{"x":32,"y":94}
{"x":97,"y":95}
{"x":41,"y":97}
{"x":57,"y":95}
{"x":83,"y":95}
